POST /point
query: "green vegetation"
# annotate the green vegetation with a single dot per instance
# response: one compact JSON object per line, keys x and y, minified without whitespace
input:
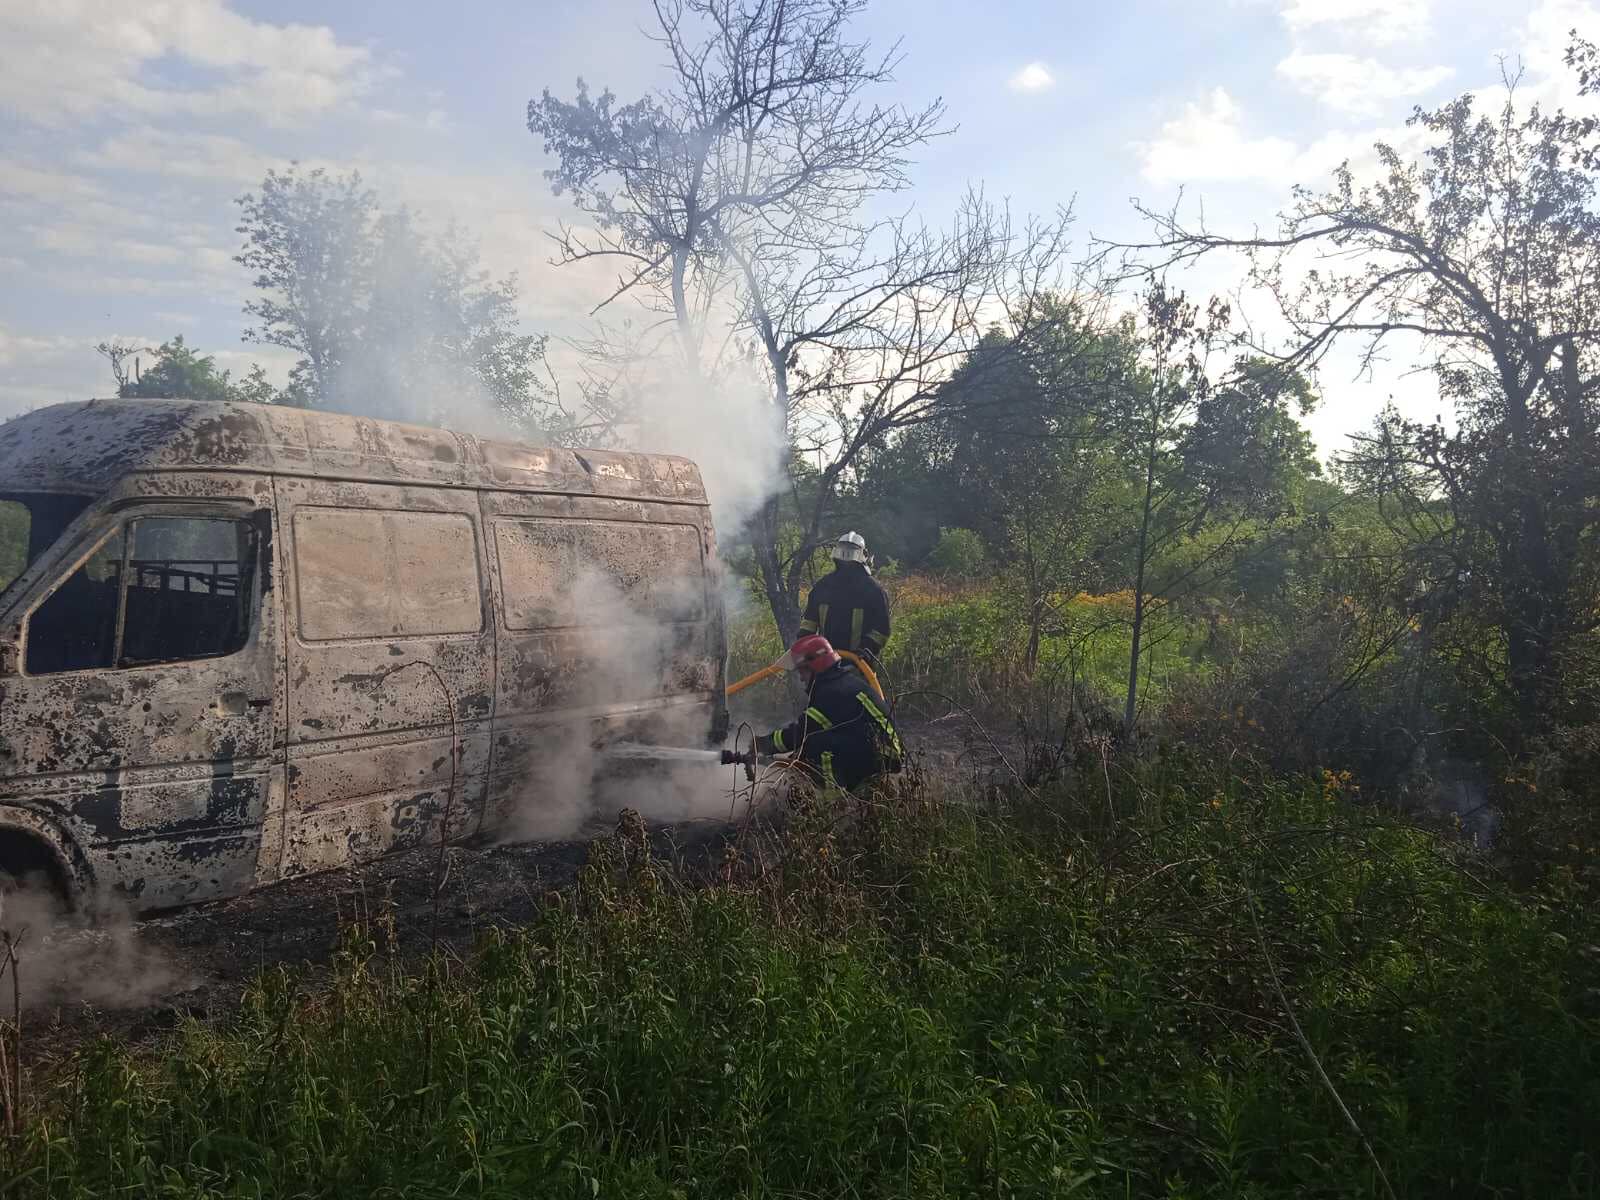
{"x":959,"y":640}
{"x":178,"y":372}
{"x":1090,"y":992}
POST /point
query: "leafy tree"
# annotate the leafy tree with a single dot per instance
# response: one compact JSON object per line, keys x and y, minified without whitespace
{"x":119,"y":355}
{"x":733,"y":201}
{"x":309,"y":241}
{"x":177,"y":372}
{"x":1212,"y":466}
{"x":1022,"y":445}
{"x":384,"y":315}
{"x":1480,"y":255}
{"x":256,"y":388}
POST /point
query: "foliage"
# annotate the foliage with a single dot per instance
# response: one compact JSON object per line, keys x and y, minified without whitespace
{"x":958,"y":554}
{"x":935,"y":999}
{"x":388,"y":319}
{"x":1480,"y":253}
{"x":177,"y":372}
{"x":14,"y":526}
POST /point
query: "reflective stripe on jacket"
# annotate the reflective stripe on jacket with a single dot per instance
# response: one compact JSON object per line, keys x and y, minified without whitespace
{"x":849,"y":608}
{"x":845,"y":731}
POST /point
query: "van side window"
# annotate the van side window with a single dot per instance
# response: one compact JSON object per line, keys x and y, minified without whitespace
{"x":30,"y":523}
{"x":366,"y":573}
{"x":188,"y":589}
{"x":160,"y":589}
{"x":76,"y":628}
{"x":582,"y":574}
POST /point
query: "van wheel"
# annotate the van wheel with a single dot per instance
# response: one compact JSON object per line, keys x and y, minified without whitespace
{"x":31,"y":889}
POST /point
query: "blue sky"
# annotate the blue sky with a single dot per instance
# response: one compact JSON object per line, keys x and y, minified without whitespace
{"x":127,"y":128}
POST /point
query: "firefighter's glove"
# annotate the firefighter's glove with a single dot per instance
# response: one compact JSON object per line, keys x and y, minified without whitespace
{"x":767,"y":745}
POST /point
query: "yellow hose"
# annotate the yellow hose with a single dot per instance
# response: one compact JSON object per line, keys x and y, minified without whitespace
{"x":775,"y":669}
{"x":866,"y":672}
{"x":764,"y":673}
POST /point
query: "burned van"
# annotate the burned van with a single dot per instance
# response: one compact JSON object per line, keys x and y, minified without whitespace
{"x":240,"y":642}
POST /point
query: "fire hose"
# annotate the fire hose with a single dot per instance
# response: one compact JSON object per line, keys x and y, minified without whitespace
{"x":748,"y":760}
{"x":778,"y":669}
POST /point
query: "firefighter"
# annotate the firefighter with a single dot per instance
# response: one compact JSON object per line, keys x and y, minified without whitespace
{"x":847,"y":606}
{"x":845,"y":737}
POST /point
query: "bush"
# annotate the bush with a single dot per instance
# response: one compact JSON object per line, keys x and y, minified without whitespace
{"x":958,"y":554}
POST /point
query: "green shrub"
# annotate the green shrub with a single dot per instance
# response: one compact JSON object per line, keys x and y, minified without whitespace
{"x":958,"y":554}
{"x":1055,"y":997}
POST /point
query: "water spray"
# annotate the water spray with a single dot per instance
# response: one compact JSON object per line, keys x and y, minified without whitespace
{"x":637,"y":752}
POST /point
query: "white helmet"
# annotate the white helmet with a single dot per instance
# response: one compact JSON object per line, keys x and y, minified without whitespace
{"x":851,"y":547}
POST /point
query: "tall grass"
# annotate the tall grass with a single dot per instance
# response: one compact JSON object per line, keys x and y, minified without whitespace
{"x":960,"y":641}
{"x":1048,"y":995}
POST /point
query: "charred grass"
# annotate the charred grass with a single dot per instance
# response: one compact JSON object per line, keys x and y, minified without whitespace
{"x":1165,"y":978}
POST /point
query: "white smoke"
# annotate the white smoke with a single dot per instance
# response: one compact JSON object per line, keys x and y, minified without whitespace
{"x":415,"y":362}
{"x":726,"y":423}
{"x":634,"y":644}
{"x":95,"y":957}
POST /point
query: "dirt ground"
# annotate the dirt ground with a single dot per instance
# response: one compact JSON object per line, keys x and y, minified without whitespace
{"x":131,"y":980}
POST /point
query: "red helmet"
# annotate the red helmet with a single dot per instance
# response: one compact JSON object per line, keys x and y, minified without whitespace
{"x":813,"y":653}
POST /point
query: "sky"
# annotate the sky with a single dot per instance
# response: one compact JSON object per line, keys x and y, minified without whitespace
{"x":128,"y":128}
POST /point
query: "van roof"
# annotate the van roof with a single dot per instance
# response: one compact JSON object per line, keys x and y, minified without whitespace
{"x":85,"y":447}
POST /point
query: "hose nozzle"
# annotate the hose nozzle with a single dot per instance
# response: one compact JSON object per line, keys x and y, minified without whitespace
{"x":748,"y":761}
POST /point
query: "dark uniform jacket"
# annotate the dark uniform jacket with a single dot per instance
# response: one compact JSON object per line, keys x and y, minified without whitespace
{"x":850,"y":609}
{"x":845,"y":735}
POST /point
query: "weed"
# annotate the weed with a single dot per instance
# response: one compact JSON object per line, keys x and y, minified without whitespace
{"x":915,"y":998}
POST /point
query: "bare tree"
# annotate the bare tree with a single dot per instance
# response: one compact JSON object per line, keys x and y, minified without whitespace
{"x":734,"y":199}
{"x":1485,"y":255}
{"x":119,"y":354}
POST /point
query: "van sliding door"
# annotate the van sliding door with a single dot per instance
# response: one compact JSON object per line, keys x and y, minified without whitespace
{"x":390,"y":669}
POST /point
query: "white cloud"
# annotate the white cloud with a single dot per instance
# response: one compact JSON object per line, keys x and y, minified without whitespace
{"x":1208,"y":143}
{"x":186,"y":154}
{"x":44,"y":369}
{"x":1362,"y":86}
{"x":276,"y":361}
{"x":1541,"y":45}
{"x":1035,"y":77}
{"x":63,"y":61}
{"x":1382,"y":22}
{"x":17,"y":348}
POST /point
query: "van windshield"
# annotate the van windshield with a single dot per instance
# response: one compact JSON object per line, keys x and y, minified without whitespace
{"x":30,"y":522}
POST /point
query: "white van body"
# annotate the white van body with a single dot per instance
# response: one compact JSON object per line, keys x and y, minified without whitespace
{"x":241,"y":642}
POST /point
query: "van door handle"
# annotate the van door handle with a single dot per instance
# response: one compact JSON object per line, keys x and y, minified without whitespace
{"x":235,"y":704}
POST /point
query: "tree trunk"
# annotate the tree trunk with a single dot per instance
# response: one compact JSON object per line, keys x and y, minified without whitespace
{"x":1130,"y":709}
{"x":784,"y":606}
{"x":1533,"y":589}
{"x":1035,"y":619}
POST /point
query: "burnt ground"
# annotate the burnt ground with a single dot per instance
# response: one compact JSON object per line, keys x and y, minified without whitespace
{"x":135,"y":979}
